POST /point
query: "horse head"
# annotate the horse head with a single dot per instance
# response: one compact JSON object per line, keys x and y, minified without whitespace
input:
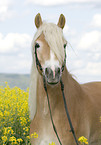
{"x":49,"y":49}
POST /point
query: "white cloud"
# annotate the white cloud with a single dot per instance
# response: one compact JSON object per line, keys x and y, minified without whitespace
{"x":90,"y":72}
{"x":94,"y":68}
{"x":90,"y":41}
{"x":15,"y":53}
{"x":68,"y":32}
{"x":13,"y":42}
{"x":96,"y":22}
{"x":5,"y":11}
{"x":15,"y":64}
{"x":86,"y":65}
{"x":58,"y":2}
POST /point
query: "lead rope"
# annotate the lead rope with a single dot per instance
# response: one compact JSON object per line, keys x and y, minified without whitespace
{"x":67,"y":113}
{"x":66,"y":109}
{"x":50,"y":111}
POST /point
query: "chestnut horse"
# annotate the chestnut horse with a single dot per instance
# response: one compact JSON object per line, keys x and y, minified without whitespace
{"x":84,"y":101}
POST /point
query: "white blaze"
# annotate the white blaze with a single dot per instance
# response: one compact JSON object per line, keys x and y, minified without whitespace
{"x":52,"y":62}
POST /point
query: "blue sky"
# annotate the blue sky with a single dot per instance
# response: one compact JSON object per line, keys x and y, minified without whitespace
{"x":82,"y":31}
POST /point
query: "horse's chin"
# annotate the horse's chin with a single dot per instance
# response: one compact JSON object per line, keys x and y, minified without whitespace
{"x":53,"y":83}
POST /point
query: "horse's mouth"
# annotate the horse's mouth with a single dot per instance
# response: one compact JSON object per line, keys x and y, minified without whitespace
{"x":52,"y":83}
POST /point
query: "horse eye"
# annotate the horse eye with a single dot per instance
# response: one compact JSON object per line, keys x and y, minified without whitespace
{"x":65,"y":45}
{"x":37,"y":45}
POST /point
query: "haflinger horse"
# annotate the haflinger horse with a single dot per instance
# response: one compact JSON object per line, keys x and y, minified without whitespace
{"x":83,"y":100}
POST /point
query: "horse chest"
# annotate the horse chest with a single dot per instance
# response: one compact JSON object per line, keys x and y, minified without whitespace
{"x":45,"y":109}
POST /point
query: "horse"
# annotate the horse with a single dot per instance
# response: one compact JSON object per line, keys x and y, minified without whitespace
{"x":83,"y":100}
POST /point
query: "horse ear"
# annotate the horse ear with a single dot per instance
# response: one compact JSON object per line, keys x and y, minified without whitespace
{"x":61,"y":22}
{"x":38,"y":20}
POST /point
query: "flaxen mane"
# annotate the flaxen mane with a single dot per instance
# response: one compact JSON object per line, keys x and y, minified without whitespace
{"x":49,"y":30}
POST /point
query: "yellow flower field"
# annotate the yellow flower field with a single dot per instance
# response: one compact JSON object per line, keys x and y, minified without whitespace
{"x":14,"y":116}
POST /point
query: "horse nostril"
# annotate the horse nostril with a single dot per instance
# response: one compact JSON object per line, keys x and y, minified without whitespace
{"x":57,"y":71}
{"x":47,"y":72}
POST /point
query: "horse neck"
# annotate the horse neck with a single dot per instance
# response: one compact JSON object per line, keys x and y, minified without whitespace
{"x":53,"y":93}
{"x":72,"y":92}
{"x":72,"y":87}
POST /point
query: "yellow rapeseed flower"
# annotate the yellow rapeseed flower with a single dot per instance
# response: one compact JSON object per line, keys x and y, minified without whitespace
{"x":1,"y":114}
{"x":23,"y":121}
{"x":13,"y":140}
{"x":8,"y":130}
{"x":34,"y":135}
{"x":19,"y":140}
{"x":28,"y":137}
{"x":4,"y":138}
{"x":26,"y":129}
{"x":83,"y":140}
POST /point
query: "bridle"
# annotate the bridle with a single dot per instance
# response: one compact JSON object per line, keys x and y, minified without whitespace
{"x":62,"y":89}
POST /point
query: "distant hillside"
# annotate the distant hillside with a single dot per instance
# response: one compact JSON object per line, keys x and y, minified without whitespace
{"x":19,"y":80}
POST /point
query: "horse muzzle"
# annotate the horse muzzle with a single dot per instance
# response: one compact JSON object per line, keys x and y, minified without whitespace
{"x":52,"y":76}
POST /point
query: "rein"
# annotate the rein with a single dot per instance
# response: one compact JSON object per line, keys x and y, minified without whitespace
{"x":65,"y":104}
